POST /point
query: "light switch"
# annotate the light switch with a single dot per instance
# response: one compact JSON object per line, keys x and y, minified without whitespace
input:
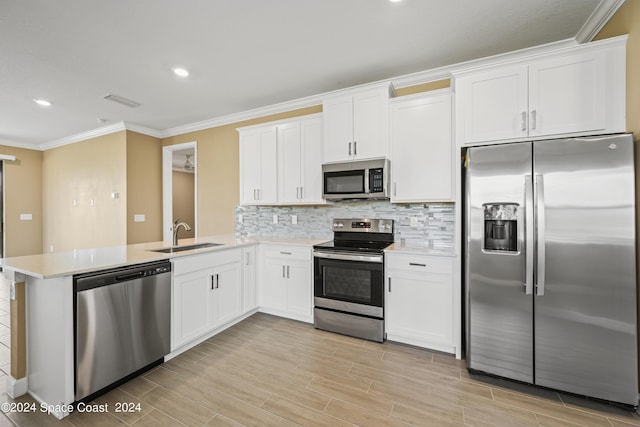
{"x":26,"y":217}
{"x":138,"y":218}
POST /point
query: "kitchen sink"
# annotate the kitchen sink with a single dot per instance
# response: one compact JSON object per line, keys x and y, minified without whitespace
{"x":185,"y":248}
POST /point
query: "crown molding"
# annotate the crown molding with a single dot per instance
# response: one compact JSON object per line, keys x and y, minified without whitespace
{"x":282,"y":107}
{"x":600,"y":16}
{"x":134,"y":127}
{"x":24,"y":145}
{"x":82,"y":136}
{"x":447,"y":71}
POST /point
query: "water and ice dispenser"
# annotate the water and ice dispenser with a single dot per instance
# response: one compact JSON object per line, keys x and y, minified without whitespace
{"x":500,"y":227}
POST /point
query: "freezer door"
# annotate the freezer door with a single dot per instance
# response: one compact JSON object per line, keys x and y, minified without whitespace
{"x":585,"y":304}
{"x":499,"y":302}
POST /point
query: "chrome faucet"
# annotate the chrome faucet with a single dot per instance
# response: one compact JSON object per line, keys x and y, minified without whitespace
{"x":176,"y":226}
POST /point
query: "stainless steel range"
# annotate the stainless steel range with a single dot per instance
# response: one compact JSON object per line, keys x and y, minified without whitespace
{"x":349,"y":278}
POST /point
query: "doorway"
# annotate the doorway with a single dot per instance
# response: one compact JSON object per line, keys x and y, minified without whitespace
{"x":179,"y":187}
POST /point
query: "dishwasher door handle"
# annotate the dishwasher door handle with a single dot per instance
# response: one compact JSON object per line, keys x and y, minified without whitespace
{"x":132,"y":276}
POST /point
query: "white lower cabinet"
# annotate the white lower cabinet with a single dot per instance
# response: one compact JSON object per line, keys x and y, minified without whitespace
{"x":286,"y":281}
{"x":419,"y":301}
{"x":225,"y":293}
{"x":249,"y":282}
{"x":207,"y":292}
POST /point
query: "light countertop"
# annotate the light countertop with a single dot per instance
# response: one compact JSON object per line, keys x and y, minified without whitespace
{"x":59,"y":264}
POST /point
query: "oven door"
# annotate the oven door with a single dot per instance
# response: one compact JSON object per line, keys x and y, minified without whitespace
{"x":353,"y":283}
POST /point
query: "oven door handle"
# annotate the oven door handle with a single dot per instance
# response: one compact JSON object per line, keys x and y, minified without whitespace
{"x":349,"y":257}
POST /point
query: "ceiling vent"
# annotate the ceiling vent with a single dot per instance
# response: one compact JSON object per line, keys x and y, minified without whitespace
{"x":120,"y":100}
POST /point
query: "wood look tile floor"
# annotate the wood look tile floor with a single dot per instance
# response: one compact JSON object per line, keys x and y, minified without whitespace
{"x":270,"y":371}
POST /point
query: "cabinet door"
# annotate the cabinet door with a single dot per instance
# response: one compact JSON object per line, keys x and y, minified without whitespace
{"x":273,"y":288}
{"x":568,"y":94}
{"x":268,"y":189}
{"x":370,"y":124}
{"x":338,"y":129}
{"x":420,"y":309}
{"x":311,"y":145}
{"x":421,"y":149}
{"x":190,"y":306}
{"x":299,"y":302}
{"x":249,"y":167}
{"x":249,"y":278}
{"x":225,"y":293}
{"x":494,"y":105}
{"x":289,"y":167}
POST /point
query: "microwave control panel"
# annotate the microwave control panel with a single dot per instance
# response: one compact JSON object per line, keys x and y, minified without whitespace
{"x":376,"y":184}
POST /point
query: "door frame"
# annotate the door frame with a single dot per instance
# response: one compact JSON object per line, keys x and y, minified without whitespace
{"x":167,"y":188}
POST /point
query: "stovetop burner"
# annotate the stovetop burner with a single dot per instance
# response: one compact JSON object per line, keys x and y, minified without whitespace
{"x":353,"y":246}
{"x":359,"y":235}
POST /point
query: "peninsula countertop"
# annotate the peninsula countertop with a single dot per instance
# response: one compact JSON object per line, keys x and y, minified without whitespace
{"x":78,"y":261}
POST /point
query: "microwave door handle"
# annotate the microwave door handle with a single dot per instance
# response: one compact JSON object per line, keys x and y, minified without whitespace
{"x":366,"y":181}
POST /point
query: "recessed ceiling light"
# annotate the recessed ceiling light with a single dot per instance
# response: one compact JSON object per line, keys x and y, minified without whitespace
{"x":181,"y":72}
{"x":42,"y":102}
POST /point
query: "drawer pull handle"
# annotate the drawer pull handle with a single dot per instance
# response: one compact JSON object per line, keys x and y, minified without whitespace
{"x":415,"y":264}
{"x":285,"y":253}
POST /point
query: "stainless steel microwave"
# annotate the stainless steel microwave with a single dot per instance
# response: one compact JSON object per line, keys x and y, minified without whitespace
{"x":364,"y":179}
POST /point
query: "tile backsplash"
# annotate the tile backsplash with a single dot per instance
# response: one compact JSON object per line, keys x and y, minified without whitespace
{"x":430,"y":225}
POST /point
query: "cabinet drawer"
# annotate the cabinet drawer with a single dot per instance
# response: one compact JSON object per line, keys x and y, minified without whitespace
{"x":420,"y":263}
{"x":191,"y":263}
{"x":287,"y":252}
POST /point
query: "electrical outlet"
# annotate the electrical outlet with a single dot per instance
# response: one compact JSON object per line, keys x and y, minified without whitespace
{"x":138,"y":218}
{"x":275,"y":218}
{"x":294,"y":219}
{"x":240,"y":218}
{"x":414,"y":222}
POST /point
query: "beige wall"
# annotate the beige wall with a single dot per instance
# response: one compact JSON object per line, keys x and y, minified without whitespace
{"x":218,"y":170}
{"x":22,"y":194}
{"x":144,"y":187}
{"x":627,"y":21}
{"x":86,"y":170}
{"x":184,"y":201}
{"x":425,"y":87}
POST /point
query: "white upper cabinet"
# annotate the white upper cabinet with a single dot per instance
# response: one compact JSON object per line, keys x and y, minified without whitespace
{"x":356,"y":125}
{"x":258,"y":166}
{"x":495,"y":104}
{"x":300,"y":161}
{"x":568,"y":94}
{"x":578,"y":91}
{"x":421,"y":147}
{"x":281,"y":162}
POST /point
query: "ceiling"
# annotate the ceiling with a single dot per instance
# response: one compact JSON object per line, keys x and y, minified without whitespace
{"x":242,"y":54}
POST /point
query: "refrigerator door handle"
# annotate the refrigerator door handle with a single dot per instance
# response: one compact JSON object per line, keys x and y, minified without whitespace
{"x":528,"y":238}
{"x":540,"y":226}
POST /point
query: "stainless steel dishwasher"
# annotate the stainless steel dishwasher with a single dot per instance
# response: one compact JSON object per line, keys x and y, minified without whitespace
{"x":122,"y":325}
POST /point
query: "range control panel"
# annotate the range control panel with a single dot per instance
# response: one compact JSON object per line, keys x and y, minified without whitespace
{"x":364,"y":225}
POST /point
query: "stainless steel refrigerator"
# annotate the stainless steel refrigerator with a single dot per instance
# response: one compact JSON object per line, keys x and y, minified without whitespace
{"x":550,"y":264}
